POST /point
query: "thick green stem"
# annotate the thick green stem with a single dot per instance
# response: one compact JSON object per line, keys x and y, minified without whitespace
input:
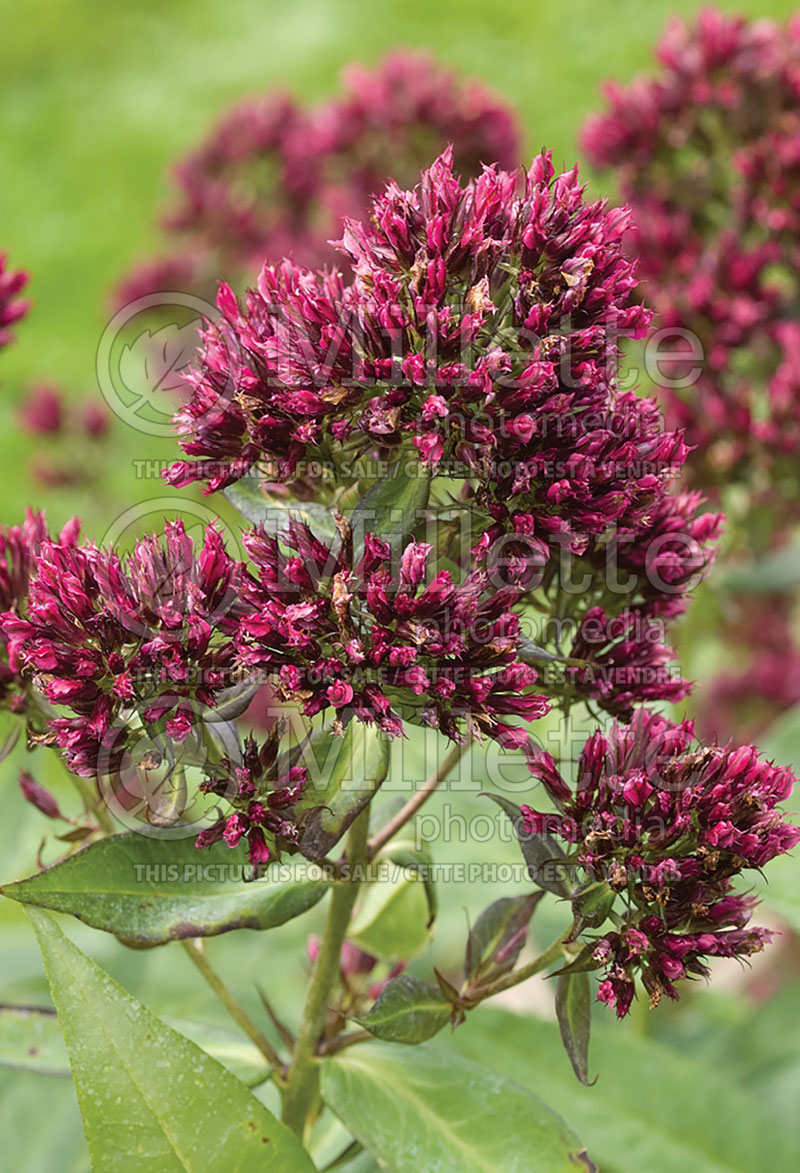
{"x":196,"y":951}
{"x":300,"y":1089}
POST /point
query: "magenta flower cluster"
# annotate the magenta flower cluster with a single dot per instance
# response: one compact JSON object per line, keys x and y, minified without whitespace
{"x":706,"y":153}
{"x":262,"y":788}
{"x":343,"y":632}
{"x":118,"y":641}
{"x":19,"y":548}
{"x":480,"y":336}
{"x":482,"y":325}
{"x":274,"y":179}
{"x":664,"y":827}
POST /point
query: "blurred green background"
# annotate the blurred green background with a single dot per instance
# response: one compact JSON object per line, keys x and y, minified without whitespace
{"x":98,"y":99}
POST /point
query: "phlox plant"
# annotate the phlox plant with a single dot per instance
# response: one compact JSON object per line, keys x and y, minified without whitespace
{"x":452,"y":519}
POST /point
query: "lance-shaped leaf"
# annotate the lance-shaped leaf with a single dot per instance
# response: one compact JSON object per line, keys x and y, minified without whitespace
{"x":583,"y":962}
{"x":408,"y":1010}
{"x":574,"y":1013}
{"x":149,"y":891}
{"x":394,"y":505}
{"x":360,"y":764}
{"x":241,"y":1057}
{"x":234,"y":701}
{"x":591,"y":906}
{"x":498,"y":936}
{"x":150,"y":1098}
{"x":429,"y":1109}
{"x":548,"y":865}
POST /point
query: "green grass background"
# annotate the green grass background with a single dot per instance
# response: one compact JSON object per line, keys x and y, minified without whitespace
{"x":98,"y":99}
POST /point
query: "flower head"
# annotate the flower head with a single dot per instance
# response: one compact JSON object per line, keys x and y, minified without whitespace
{"x":482,"y":326}
{"x":19,"y":547}
{"x":355,"y":636}
{"x":124,"y":644}
{"x":262,"y":788}
{"x":663,"y":828}
{"x":42,"y":412}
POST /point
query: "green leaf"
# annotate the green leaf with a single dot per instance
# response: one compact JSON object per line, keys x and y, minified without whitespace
{"x":148,"y":891}
{"x":241,"y":1057}
{"x":548,"y":866}
{"x":360,"y":765}
{"x":419,"y":861}
{"x":583,"y":962}
{"x":408,"y":1010}
{"x":429,"y":1109}
{"x":652,"y":1107}
{"x":149,"y":1097}
{"x":393,"y":916}
{"x":498,"y":936}
{"x":30,"y":1040}
{"x":246,"y":496}
{"x":394,"y":505}
{"x":574,"y":1013}
{"x":593,"y":904}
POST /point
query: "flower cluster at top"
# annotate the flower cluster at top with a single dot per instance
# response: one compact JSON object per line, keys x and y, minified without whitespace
{"x":274,"y":179}
{"x":12,"y":307}
{"x":707,"y":152}
{"x":479,"y":337}
{"x":483,"y":324}
{"x":659,"y":829}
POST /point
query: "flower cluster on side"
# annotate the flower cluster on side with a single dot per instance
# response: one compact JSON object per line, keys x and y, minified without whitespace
{"x":19,"y":547}
{"x":136,"y":651}
{"x":706,"y":152}
{"x":12,"y":306}
{"x":274,"y":179}
{"x":660,"y":828}
{"x":144,"y":641}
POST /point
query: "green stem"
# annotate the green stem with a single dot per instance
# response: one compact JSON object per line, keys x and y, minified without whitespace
{"x":196,"y":951}
{"x":420,"y":798}
{"x":300,"y":1089}
{"x":543,"y":961}
{"x":341,"y":1042}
